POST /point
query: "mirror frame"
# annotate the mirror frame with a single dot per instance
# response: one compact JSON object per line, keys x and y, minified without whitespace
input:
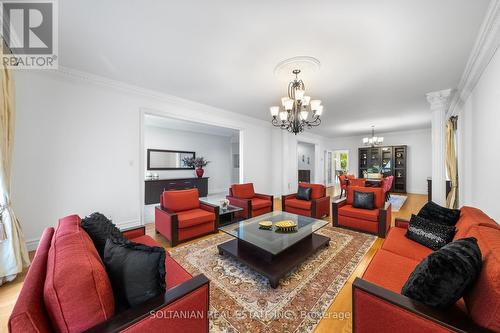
{"x":168,"y":151}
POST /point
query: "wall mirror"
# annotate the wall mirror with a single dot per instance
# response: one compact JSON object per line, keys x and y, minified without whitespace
{"x":168,"y":159}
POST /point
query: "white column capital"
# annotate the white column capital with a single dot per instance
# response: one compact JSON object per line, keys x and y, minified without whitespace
{"x":439,"y":100}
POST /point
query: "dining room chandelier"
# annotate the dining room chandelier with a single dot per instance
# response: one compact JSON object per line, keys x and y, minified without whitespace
{"x":297,"y":110}
{"x":374,"y":140}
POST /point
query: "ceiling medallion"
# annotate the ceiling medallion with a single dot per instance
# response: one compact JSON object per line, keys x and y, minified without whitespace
{"x":298,"y":110}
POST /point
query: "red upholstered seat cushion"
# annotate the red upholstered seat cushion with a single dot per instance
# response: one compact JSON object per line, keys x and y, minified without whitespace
{"x":358,"y":224}
{"x":178,"y":201}
{"x":317,"y":190}
{"x":77,"y":290}
{"x":258,"y":203}
{"x":243,"y":191}
{"x":300,"y":204}
{"x":379,"y":197}
{"x":194,"y":217}
{"x":365,"y":214}
{"x":396,"y":242}
{"x":389,"y":270}
{"x":483,"y":300}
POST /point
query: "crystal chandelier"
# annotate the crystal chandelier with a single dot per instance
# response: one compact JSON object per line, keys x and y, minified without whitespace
{"x":374,"y":140}
{"x":298,"y":110}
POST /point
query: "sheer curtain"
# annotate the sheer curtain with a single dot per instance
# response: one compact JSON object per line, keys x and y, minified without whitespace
{"x":13,"y":252}
{"x":451,"y":162}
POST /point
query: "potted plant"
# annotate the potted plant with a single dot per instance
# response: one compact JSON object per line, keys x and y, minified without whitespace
{"x":198,"y":163}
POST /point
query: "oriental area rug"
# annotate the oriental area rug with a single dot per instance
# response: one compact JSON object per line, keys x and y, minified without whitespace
{"x":242,"y":300}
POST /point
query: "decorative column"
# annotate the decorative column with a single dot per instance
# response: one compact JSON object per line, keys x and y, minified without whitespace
{"x":439,"y":102}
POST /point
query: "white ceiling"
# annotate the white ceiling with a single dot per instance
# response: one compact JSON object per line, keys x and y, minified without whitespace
{"x":378,"y":58}
{"x":188,"y":126}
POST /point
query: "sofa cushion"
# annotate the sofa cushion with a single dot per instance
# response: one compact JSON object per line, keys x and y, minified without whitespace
{"x":88,"y":299}
{"x":469,"y":217}
{"x":363,"y":200}
{"x":442,"y":278}
{"x":397,"y":243}
{"x":378,"y":192}
{"x":300,"y":204}
{"x":358,"y":224}
{"x":365,"y":214}
{"x":181,"y":200}
{"x":389,"y":270}
{"x":100,"y":228}
{"x":317,"y":190}
{"x":439,"y":214}
{"x":258,"y":203}
{"x":428,"y":233}
{"x":304,"y":193}
{"x":243,"y":191}
{"x":194,"y":217}
{"x":136,"y":271}
{"x":483,"y":300}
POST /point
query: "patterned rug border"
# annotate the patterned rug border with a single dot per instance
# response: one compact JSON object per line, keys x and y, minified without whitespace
{"x":322,"y":304}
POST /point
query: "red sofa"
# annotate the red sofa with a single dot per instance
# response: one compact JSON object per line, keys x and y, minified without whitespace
{"x":253,"y":204}
{"x":181,"y":216}
{"x":317,"y":207}
{"x":378,"y":305}
{"x":376,"y":221}
{"x":67,"y":289}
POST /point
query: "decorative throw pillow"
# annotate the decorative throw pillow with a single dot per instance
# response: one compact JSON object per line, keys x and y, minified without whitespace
{"x":304,"y":193}
{"x":363,"y":200}
{"x":442,"y":215}
{"x":100,"y":228}
{"x":428,"y":233}
{"x":136,"y":271}
{"x":443,"y":277}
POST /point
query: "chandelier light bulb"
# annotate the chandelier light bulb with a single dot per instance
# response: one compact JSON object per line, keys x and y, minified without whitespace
{"x":299,"y":94}
{"x":288,"y":104}
{"x":283,"y":100}
{"x":274,"y":110}
{"x":306,"y":100}
{"x":365,"y":140}
{"x":303,"y":114}
{"x":380,"y":139}
{"x":283,"y":115}
{"x":319,"y":110}
{"x":315,"y":103}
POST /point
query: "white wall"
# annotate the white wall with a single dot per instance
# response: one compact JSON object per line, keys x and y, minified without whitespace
{"x":77,"y":146}
{"x":419,"y":154}
{"x":214,"y":148}
{"x":479,"y":128}
{"x":306,"y":150}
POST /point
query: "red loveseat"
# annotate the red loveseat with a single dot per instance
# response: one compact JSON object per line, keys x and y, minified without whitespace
{"x":317,"y":207}
{"x":376,"y":221}
{"x":67,"y":289}
{"x":181,"y":216}
{"x":378,"y":305}
{"x":253,"y":204}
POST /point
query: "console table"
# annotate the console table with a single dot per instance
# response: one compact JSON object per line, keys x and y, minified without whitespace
{"x":155,"y":187}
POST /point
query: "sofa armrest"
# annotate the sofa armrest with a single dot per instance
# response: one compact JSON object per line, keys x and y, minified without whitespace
{"x":320,"y":207}
{"x":245,"y":204}
{"x":336,"y":204}
{"x":264,"y":196}
{"x":167,"y":224}
{"x":286,"y":197}
{"x":213,"y":209}
{"x":401,"y":223}
{"x":133,"y":232}
{"x":161,"y":312}
{"x":376,"y":309}
{"x":384,"y":219}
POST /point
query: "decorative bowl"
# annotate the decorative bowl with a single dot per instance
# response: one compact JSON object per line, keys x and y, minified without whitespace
{"x":268,"y":225}
{"x":286,"y":226}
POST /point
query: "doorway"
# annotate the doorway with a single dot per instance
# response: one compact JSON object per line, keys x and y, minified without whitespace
{"x":306,"y":162}
{"x":336,"y":163}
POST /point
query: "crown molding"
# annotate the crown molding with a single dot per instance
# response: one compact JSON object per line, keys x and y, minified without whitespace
{"x":151,"y":94}
{"x":484,"y":49}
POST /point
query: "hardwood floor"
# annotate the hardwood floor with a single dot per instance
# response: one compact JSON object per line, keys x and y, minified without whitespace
{"x":338,"y":316}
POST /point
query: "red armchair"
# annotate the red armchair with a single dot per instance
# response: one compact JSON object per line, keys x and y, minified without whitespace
{"x":386,"y":185}
{"x":376,"y":221}
{"x":181,"y":216}
{"x":67,"y":289}
{"x":343,"y":185}
{"x":317,"y":207}
{"x":253,"y":204}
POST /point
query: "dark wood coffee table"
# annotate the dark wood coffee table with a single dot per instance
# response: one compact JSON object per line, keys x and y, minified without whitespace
{"x":269,"y":252}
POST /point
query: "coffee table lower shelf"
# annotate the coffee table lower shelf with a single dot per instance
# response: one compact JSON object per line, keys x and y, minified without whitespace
{"x":274,"y":267}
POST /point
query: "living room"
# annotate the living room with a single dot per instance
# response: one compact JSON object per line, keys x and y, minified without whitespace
{"x":340,"y":152}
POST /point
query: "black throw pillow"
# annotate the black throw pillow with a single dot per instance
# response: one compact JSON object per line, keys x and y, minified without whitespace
{"x":363,"y":200}
{"x":438,"y":214}
{"x":304,"y":193}
{"x":444,"y":276}
{"x":136,"y":272}
{"x":428,"y":233}
{"x":100,"y":228}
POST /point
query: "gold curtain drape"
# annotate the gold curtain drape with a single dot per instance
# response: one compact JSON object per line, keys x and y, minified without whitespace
{"x":451,"y":163}
{"x":13,"y":251}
